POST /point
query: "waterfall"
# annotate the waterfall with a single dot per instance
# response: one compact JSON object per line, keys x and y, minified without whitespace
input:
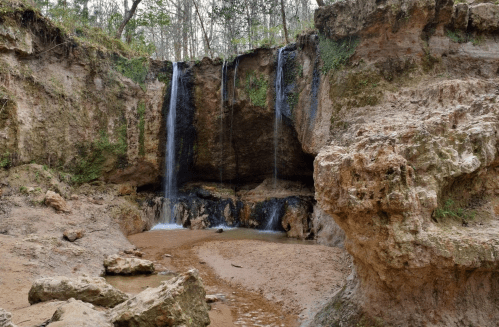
{"x":273,"y":217}
{"x":232,"y":103}
{"x":170,"y":185}
{"x":279,"y":103}
{"x":223,"y":97}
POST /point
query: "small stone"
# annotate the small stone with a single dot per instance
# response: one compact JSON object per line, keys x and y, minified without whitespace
{"x":56,"y":201}
{"x":74,"y":197}
{"x":220,"y":230}
{"x":5,"y":319}
{"x":211,"y":298}
{"x":116,"y":265}
{"x":167,"y":255}
{"x":73,"y":234}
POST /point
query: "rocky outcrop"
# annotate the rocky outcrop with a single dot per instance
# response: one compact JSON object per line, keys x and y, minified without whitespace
{"x":93,"y":290}
{"x":5,"y":319}
{"x":56,"y":201}
{"x":116,"y":265}
{"x":76,"y":313}
{"x":410,"y":174}
{"x":179,"y":301}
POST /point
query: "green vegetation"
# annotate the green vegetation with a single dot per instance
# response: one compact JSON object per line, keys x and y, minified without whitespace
{"x":136,"y":69}
{"x":141,"y":110}
{"x":462,"y":37}
{"x":256,"y":88}
{"x":335,"y":54}
{"x":456,"y":36}
{"x":5,"y":160}
{"x":93,"y":156}
{"x":451,"y":210}
{"x":165,"y":78}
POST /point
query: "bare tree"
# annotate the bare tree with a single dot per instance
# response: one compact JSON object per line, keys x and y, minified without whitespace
{"x":202,"y":27}
{"x":283,"y":14}
{"x":126,"y":18}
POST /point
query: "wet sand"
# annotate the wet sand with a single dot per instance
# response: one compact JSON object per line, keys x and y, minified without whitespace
{"x":264,"y":279}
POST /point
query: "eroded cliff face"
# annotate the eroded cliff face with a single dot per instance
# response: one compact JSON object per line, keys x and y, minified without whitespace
{"x":69,"y":106}
{"x":411,"y":171}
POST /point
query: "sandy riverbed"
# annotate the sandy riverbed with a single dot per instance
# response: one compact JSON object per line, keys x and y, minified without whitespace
{"x":266,"y":279}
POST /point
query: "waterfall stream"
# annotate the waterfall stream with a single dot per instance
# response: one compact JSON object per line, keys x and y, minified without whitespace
{"x":279,"y":103}
{"x":232,"y":105}
{"x":223,"y":97}
{"x":170,"y":184}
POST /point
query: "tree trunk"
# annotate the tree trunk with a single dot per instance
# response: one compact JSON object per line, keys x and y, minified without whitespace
{"x":202,"y":27}
{"x":127,"y":17}
{"x":321,"y":3}
{"x":283,"y":14}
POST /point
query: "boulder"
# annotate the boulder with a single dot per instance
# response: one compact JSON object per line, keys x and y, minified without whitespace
{"x":73,"y":234}
{"x":116,"y":265}
{"x":296,"y":219}
{"x":5,"y":319}
{"x":76,"y":313}
{"x":179,"y":301}
{"x":93,"y":290}
{"x":485,"y":17}
{"x":56,"y":201}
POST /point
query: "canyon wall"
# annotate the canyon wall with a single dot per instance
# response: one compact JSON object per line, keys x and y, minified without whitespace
{"x":411,"y":172}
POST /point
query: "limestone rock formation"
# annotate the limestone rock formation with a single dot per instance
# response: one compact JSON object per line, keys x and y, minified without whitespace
{"x":411,"y":171}
{"x":73,"y":234}
{"x":116,"y":265}
{"x":179,"y":301}
{"x":5,"y":319}
{"x":326,"y":230}
{"x":297,"y":218}
{"x":56,"y":201}
{"x":76,"y":313}
{"x":93,"y":290}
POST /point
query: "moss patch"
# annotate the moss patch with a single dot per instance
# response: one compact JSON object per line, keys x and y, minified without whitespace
{"x":257,"y":87}
{"x":335,"y":54}
{"x":92,"y":157}
{"x":136,"y":69}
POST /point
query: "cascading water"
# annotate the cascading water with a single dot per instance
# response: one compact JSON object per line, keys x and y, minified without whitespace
{"x":170,"y":184}
{"x":223,"y":97}
{"x":279,"y":105}
{"x":232,"y":104}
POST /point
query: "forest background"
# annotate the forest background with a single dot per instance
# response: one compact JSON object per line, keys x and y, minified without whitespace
{"x":180,"y":30}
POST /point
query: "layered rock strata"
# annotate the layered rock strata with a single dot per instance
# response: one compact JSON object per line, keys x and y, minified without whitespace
{"x":411,"y":172}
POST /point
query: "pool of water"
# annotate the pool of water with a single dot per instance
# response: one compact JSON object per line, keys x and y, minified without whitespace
{"x":260,"y":235}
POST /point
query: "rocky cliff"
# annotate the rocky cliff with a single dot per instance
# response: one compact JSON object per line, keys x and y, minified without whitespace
{"x":411,"y":172}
